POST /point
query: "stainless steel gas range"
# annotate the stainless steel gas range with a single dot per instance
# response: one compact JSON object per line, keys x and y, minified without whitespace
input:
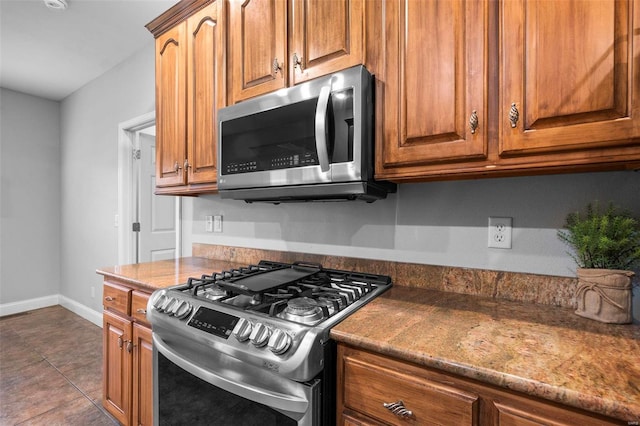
{"x":251,"y":345}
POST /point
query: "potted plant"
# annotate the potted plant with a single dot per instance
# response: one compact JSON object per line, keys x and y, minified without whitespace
{"x":606,"y":247}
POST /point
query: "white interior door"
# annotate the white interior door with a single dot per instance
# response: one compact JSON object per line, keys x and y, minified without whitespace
{"x":156,"y":213}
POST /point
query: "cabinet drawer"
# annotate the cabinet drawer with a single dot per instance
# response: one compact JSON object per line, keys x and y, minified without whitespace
{"x":117,"y":298}
{"x":139,"y":306}
{"x":368,"y":387}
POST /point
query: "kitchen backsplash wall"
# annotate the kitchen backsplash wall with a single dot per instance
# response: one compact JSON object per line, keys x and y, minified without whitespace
{"x":435,"y":223}
{"x":531,"y":288}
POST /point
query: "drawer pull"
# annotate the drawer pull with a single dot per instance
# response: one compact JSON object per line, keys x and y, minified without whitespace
{"x":513,"y":115}
{"x":109,"y":299}
{"x":398,"y":409}
{"x":141,"y":311}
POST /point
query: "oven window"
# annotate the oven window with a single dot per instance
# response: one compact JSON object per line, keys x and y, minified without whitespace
{"x":185,"y":399}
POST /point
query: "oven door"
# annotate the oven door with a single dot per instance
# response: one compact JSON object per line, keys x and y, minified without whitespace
{"x":200,"y":386}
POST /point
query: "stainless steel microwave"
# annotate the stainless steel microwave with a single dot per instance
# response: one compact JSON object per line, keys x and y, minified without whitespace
{"x":310,"y":142}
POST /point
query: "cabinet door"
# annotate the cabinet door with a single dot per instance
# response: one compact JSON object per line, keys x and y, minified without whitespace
{"x":258,"y":46}
{"x":571,"y":69}
{"x":435,"y":80}
{"x":327,"y":37}
{"x":142,"y":376}
{"x":205,"y":91}
{"x":171,"y":107}
{"x":117,"y":360}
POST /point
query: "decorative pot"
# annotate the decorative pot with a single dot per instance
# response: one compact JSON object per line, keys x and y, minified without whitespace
{"x":604,"y":295}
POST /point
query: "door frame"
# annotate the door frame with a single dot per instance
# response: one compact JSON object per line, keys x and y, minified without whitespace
{"x":127,"y":142}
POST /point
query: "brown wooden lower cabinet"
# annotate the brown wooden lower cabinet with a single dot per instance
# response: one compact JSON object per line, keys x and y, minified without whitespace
{"x":142,"y":377}
{"x":378,"y":390}
{"x":127,"y":355}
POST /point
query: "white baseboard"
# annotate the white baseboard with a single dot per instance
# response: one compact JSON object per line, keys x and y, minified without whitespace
{"x":82,"y":310}
{"x":28,"y":305}
{"x":56,"y":299}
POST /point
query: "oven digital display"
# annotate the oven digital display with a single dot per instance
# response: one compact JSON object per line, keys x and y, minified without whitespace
{"x":214,"y":322}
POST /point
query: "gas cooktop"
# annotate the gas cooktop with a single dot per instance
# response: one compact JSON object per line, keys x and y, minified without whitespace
{"x":270,"y":314}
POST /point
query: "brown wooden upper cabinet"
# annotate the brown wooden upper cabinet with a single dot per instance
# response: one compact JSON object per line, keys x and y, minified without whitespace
{"x":436,"y":80}
{"x":277,"y":43}
{"x":567,"y":77}
{"x":472,"y":88}
{"x":190,"y":87}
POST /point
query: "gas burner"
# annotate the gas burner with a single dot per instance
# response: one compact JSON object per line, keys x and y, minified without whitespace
{"x":212,"y":292}
{"x":303,"y":310}
{"x":244,"y":301}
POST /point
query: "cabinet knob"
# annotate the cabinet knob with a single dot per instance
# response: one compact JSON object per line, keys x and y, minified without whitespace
{"x":141,"y":311}
{"x":120,"y":342}
{"x":514,"y":115}
{"x":297,"y":61}
{"x":186,"y":164}
{"x":473,"y":122}
{"x":398,"y":409}
{"x":129,"y":346}
{"x":176,"y":167}
{"x":276,"y":66}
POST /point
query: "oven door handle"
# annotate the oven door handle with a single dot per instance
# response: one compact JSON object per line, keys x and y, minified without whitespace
{"x":321,"y":128}
{"x":295,"y":401}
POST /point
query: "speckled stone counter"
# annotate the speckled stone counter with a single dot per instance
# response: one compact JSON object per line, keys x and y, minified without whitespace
{"x":164,"y":273}
{"x":543,"y":351}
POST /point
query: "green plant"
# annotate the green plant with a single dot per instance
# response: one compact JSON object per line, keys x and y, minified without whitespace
{"x":607,"y":239}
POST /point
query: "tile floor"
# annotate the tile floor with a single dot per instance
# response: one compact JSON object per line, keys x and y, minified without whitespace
{"x":50,"y":369}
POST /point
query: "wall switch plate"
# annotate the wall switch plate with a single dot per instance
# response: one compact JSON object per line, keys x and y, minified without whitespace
{"x":208,"y":223}
{"x":500,"y":232}
{"x":217,"y":223}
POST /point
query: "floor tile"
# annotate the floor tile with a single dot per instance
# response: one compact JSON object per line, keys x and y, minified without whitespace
{"x":36,"y":390}
{"x":51,"y":369}
{"x":80,"y":411}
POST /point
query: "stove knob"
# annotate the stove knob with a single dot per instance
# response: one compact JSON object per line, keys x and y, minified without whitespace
{"x":279,"y":342}
{"x":183,"y":309}
{"x":159,"y":302}
{"x":243,"y":329}
{"x":260,"y":335}
{"x":168,"y":305}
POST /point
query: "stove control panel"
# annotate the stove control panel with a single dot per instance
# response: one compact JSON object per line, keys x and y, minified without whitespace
{"x":260,"y":335}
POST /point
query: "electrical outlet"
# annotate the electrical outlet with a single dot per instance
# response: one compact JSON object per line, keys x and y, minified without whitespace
{"x":208,"y":223}
{"x":500,"y":232}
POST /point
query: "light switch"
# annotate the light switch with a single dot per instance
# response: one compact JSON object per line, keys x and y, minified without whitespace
{"x":217,"y":223}
{"x":209,"y":223}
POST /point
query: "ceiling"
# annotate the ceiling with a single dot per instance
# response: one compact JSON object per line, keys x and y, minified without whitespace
{"x":52,"y":53}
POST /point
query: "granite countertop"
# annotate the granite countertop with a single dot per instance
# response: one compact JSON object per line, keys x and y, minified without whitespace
{"x":544,"y":351}
{"x":165,"y":273}
{"x":539,"y":350}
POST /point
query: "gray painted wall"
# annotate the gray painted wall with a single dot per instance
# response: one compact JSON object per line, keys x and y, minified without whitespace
{"x":89,"y":165}
{"x":29,"y":197}
{"x":439,"y":223}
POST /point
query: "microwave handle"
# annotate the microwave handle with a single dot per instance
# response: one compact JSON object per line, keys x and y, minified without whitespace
{"x":321,"y":128}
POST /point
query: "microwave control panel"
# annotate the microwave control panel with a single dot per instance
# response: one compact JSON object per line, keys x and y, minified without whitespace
{"x":273,"y":163}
